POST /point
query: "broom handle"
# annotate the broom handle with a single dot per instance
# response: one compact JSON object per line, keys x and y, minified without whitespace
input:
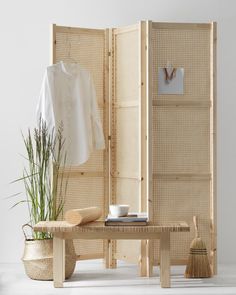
{"x":195,"y":226}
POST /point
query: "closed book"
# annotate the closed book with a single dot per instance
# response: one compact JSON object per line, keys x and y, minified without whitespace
{"x":126,"y":219}
{"x":131,"y":219}
{"x":123,"y":223}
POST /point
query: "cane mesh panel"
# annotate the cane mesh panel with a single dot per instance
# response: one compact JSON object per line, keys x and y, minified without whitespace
{"x":181,"y":134}
{"x":86,"y":182}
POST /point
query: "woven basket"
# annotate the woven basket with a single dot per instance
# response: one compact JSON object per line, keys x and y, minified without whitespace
{"x":38,"y":259}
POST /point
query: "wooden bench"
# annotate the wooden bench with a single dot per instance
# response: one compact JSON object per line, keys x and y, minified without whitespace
{"x":97,"y":230}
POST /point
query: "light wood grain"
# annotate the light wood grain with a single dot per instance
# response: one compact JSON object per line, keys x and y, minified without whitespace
{"x":165,"y":260}
{"x":150,"y":261}
{"x":149,"y":96}
{"x":69,"y":173}
{"x":83,"y":216}
{"x":58,"y":262}
{"x":77,"y":30}
{"x":53,"y":43}
{"x":112,"y":263}
{"x":99,"y":227}
{"x":143,"y":121}
{"x":125,"y":29}
{"x":149,"y":91}
{"x":181,"y":103}
{"x":183,"y":176}
{"x":143,"y":259}
{"x":106,"y":160}
{"x":184,"y":26}
{"x":213,"y":253}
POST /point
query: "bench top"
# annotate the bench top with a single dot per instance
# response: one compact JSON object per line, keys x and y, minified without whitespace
{"x":99,"y":227}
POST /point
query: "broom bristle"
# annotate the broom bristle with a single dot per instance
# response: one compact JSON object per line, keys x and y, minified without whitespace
{"x":198,"y":264}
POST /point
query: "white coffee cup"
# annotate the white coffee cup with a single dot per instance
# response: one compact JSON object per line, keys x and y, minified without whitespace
{"x":119,"y":210}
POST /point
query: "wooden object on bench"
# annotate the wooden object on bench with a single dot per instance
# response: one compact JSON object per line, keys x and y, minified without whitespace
{"x":82,"y":216}
{"x":62,"y":230}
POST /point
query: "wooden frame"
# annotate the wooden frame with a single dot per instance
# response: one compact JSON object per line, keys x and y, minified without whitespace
{"x":213,"y":253}
{"x":150,"y":244}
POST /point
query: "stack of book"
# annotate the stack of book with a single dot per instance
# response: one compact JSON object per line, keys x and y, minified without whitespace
{"x":130,"y":219}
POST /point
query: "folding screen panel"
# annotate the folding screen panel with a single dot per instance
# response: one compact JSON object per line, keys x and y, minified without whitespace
{"x":88,"y":183}
{"x":183,"y":129}
{"x":128,"y":127}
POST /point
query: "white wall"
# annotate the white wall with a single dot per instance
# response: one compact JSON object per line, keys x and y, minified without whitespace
{"x":25,"y":52}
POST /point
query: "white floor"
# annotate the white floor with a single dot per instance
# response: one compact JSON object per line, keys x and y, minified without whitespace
{"x":91,"y":278}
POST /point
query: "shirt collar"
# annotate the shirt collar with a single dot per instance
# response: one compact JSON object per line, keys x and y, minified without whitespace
{"x":70,"y":69}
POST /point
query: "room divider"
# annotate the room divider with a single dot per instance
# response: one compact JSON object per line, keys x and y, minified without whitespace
{"x":160,"y":132}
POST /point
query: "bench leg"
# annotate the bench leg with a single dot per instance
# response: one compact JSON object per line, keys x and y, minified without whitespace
{"x":143,"y":259}
{"x":109,"y":250}
{"x":109,"y":260}
{"x":146,"y":260}
{"x":58,"y":262}
{"x":106,"y":253}
{"x":165,"y":260}
{"x":112,"y":250}
{"x":150,"y":258}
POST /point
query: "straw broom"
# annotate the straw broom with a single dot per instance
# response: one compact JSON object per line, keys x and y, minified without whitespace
{"x":198,"y":264}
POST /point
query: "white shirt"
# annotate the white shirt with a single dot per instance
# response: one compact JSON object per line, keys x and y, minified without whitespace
{"x":68,"y":96}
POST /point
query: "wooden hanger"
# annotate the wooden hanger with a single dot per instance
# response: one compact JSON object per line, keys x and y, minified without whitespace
{"x":69,"y":57}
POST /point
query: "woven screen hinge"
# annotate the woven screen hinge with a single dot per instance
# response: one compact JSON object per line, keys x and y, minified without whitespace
{"x":109,"y":137}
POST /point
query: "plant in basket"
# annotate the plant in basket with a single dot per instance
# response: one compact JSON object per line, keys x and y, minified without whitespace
{"x":45,"y":189}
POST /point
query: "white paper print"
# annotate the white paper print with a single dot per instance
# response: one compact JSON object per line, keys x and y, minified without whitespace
{"x":170,"y":80}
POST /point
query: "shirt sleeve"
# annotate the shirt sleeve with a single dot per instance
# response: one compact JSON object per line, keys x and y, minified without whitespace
{"x":44,"y":108}
{"x":96,"y":121}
